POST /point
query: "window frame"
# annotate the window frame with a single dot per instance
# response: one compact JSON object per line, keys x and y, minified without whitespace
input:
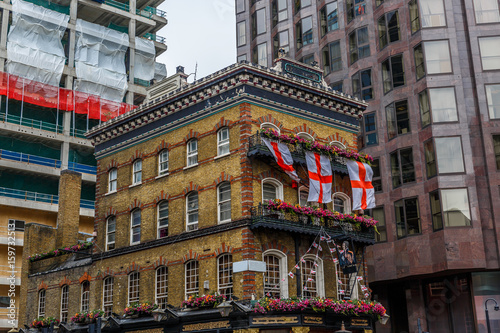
{"x":277,"y":43}
{"x":276,"y":11}
{"x":161,"y":287}
{"x":421,"y":16}
{"x":381,"y":228}
{"x":395,"y":119}
{"x":254,"y":22}
{"x":299,"y":32}
{"x":417,"y":66}
{"x":346,"y":202}
{"x":441,"y":212}
{"x":162,"y":170}
{"x":351,"y":9}
{"x":85,"y":296}
{"x":417,"y":19}
{"x":406,"y":219}
{"x":282,"y":274}
{"x":220,"y":203}
{"x":276,"y":183}
{"x":108,"y":233}
{"x":160,"y":219}
{"x":270,"y":126}
{"x":390,"y":60}
{"x":42,"y":302}
{"x":196,"y":278}
{"x":326,"y":52}
{"x":133,"y":283}
{"x":137,"y":172}
{"x":436,"y":155}
{"x":376,"y":166}
{"x":319,"y":276}
{"x":357,"y":47}
{"x":431,"y":169}
{"x":240,"y":36}
{"x":223,"y":143}
{"x":400,"y":167}
{"x":387,"y":33}
{"x":191,"y":153}
{"x":491,"y":22}
{"x":299,"y":7}
{"x":226,"y":268}
{"x":238,"y":4}
{"x":324,"y":27}
{"x":192,"y":211}
{"x":112,"y":181}
{"x":137,"y":226}
{"x":256,"y":52}
{"x":497,"y":155}
{"x":63,"y":313}
{"x":425,"y":56}
{"x":358,"y":76}
{"x":365,"y":133}
{"x":488,"y":101}
{"x":107,"y":292}
{"x":481,"y":53}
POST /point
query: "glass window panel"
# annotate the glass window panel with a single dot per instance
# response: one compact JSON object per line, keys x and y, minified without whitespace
{"x":455,"y":207}
{"x":449,"y":155}
{"x":162,"y":287}
{"x":493,"y":98}
{"x":262,"y":54}
{"x":336,"y":57}
{"x":163,"y":162}
{"x":400,"y":218}
{"x":261,"y":21}
{"x":224,"y":202}
{"x":192,"y":278}
{"x":419,"y":62}
{"x":496,"y":148}
{"x":382,"y":32}
{"x":307,"y":31}
{"x":414,"y":16}
{"x":430,"y":159}
{"x":192,"y":153}
{"x":437,"y":57}
{"x":391,"y":121}
{"x":272,"y":277}
{"x":241,"y":31}
{"x":486,"y":11}
{"x":407,"y":167}
{"x":393,"y":26}
{"x":432,"y":13}
{"x":269,"y":192}
{"x":443,"y":104}
{"x":223,"y":141}
{"x":412,"y":216}
{"x":376,"y":179}
{"x":490,"y":52}
{"x":395,"y":170}
{"x":437,"y":218}
{"x":242,"y":57}
{"x":423,"y":102}
{"x":378,"y":215}
{"x":282,"y":10}
{"x":370,"y":130}
{"x":240,"y":6}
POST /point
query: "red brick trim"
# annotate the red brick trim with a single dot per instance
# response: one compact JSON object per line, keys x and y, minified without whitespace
{"x":269,"y":119}
{"x":135,"y":204}
{"x":271,"y":174}
{"x":275,"y":246}
{"x":223,"y":249}
{"x":42,"y":285}
{"x":112,"y":165}
{"x":160,"y":262}
{"x":161,"y":197}
{"x":222,"y":123}
{"x":137,"y":155}
{"x":64,"y":281}
{"x":339,"y":138}
{"x":192,"y":187}
{"x":305,"y":129}
{"x":84,"y":277}
{"x":223,"y":178}
{"x":110,"y":212}
{"x":163,"y":145}
{"x":132,"y":268}
{"x":106,"y":273}
{"x":191,"y":135}
{"x":190,"y":256}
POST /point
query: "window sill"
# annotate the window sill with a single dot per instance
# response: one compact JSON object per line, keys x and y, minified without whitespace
{"x":225,"y":221}
{"x":134,"y":185}
{"x":135,"y":243}
{"x":221,"y":156}
{"x":110,"y":193}
{"x":161,"y":176}
{"x":191,"y":166}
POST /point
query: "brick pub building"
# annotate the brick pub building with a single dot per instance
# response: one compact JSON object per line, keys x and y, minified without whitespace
{"x":180,"y":181}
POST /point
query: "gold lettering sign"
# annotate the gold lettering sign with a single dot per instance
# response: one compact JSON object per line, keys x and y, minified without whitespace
{"x":151,"y":330}
{"x":313,"y":320}
{"x":368,"y":331}
{"x":206,"y":326}
{"x":359,"y":322}
{"x":275,"y":320}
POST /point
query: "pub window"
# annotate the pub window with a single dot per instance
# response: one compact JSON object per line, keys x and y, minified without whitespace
{"x":192,"y":211}
{"x":107,"y":296}
{"x":388,"y":29}
{"x":393,"y":74}
{"x":192,"y":278}
{"x":402,"y":168}
{"x":223,"y":141}
{"x":271,"y":189}
{"x":303,"y":195}
{"x":112,"y":174}
{"x":225,"y":275}
{"x":192,"y":152}
{"x":311,"y":270}
{"x":162,"y":287}
{"x":85,"y":298}
{"x":224,"y":202}
{"x":133,"y":287}
{"x":64,"y":303}
{"x":270,"y":126}
{"x":163,"y":162}
{"x":407,"y":217}
{"x":137,"y":172}
{"x":162,"y":226}
{"x":41,"y":303}
{"x":359,"y":44}
{"x":450,"y":208}
{"x":398,"y":120}
{"x":329,"y":19}
{"x":135,"y":226}
{"x":276,"y":272}
{"x":341,"y":203}
{"x":110,"y":233}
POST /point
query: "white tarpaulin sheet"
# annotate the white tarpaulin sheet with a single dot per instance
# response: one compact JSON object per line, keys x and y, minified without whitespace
{"x":160,"y":71}
{"x":34,"y":48}
{"x":144,"y":64}
{"x":100,"y":61}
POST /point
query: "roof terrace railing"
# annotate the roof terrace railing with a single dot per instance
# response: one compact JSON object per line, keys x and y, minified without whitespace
{"x":32,"y":123}
{"x":40,"y":197}
{"x":28,"y":158}
{"x":155,"y":37}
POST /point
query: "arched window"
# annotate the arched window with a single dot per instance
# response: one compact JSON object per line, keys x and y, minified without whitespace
{"x":162,"y":287}
{"x":276,"y":271}
{"x":270,"y":126}
{"x":137,"y":172}
{"x":107,"y":295}
{"x":192,"y":152}
{"x":64,"y":303}
{"x":312,"y":277}
{"x":305,"y":136}
{"x":135,"y":227}
{"x":224,"y":202}
{"x":133,"y":287}
{"x":110,"y":233}
{"x":192,"y":278}
{"x":341,"y":203}
{"x":41,"y":303}
{"x":271,"y":189}
{"x":192,"y":211}
{"x":85,"y":299}
{"x":303,"y":195}
{"x":163,"y":162}
{"x":112,"y":182}
{"x":223,"y":141}
{"x":337,"y":144}
{"x":162,"y":219}
{"x":225,"y":275}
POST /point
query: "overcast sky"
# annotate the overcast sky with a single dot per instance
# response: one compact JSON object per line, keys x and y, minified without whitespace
{"x":200,"y":31}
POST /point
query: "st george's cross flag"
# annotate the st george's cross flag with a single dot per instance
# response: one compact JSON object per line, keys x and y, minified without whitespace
{"x":283,"y":157}
{"x":363,"y":193}
{"x":320,"y":177}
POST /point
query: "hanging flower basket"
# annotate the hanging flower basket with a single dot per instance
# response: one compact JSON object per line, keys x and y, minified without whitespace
{"x":87,"y":317}
{"x":136,"y":310}
{"x":43,"y":322}
{"x":203,"y":302}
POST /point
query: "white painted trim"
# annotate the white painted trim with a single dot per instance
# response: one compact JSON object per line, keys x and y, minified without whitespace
{"x":283,"y":269}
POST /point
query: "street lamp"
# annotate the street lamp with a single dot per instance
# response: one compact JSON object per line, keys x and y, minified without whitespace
{"x":496,"y":308}
{"x":342,"y":329}
{"x":225,"y":308}
{"x":159,"y":315}
{"x":384,"y":319}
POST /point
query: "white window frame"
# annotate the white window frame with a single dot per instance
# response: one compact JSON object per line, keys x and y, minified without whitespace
{"x":320,"y":278}
{"x":222,"y":143}
{"x":275,"y":183}
{"x":85,"y":297}
{"x":137,"y":172}
{"x":283,"y":265}
{"x":112,"y":180}
{"x":163,"y":162}
{"x":305,"y":136}
{"x":108,"y":243}
{"x":197,"y":270}
{"x":191,"y":154}
{"x":158,"y":226}
{"x":137,"y":283}
{"x":163,"y":284}
{"x":303,"y":189}
{"x":220,"y":203}
{"x":107,"y":293}
{"x":230,"y":267}
{"x":64,"y":302}
{"x":132,"y":226}
{"x":338,"y":144}
{"x":42,"y":299}
{"x":271,"y":126}
{"x":352,"y":278}
{"x":194,"y":225}
{"x":344,"y":197}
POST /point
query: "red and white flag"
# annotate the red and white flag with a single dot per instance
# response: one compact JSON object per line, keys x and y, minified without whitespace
{"x":363,"y":194}
{"x":283,"y":157}
{"x":320,"y":177}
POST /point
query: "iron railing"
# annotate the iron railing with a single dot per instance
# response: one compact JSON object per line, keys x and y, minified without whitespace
{"x":32,"y":123}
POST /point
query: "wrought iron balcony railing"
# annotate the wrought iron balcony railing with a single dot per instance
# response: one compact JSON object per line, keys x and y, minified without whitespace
{"x":258,"y":147}
{"x":263,"y":216}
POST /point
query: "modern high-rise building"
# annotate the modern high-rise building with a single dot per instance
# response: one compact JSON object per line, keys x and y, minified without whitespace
{"x":65,"y":66}
{"x":430,"y":71}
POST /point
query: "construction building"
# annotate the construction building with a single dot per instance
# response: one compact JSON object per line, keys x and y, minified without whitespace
{"x":65,"y":66}
{"x":429,"y":71}
{"x":187,"y":205}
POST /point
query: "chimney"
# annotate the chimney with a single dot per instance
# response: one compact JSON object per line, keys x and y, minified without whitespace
{"x":68,"y":215}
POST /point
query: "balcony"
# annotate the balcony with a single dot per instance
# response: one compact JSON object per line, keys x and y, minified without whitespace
{"x":155,"y":38}
{"x":147,"y":12}
{"x":258,"y":148}
{"x":40,"y":197}
{"x":264,"y":217}
{"x":144,"y":83}
{"x":31,"y":123}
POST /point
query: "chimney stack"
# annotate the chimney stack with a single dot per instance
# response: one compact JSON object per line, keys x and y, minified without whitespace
{"x":68,"y":215}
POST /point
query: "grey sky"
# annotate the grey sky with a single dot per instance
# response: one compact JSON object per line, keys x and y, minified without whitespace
{"x":200,"y":31}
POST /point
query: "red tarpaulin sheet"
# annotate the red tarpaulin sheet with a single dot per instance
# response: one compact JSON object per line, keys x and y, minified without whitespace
{"x":48,"y":96}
